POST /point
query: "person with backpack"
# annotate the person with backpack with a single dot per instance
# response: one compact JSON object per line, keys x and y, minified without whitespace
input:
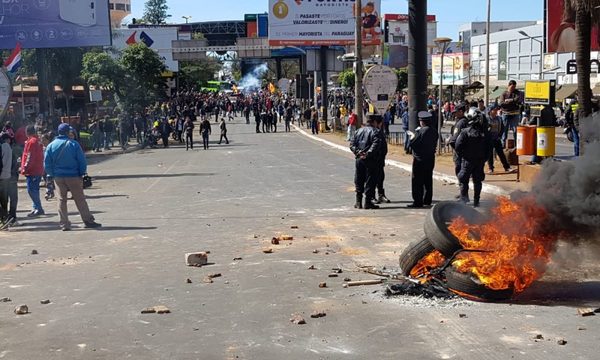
{"x":32,"y":167}
{"x":65,"y":163}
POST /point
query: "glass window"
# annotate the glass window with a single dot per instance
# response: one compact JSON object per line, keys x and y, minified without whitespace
{"x":120,"y":7}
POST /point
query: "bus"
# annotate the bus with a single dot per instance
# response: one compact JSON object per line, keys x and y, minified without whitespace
{"x":218,"y":86}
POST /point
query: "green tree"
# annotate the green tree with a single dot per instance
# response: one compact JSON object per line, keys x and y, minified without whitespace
{"x":156,"y":12}
{"x":402,"y":79}
{"x":193,"y":74}
{"x":65,"y":66}
{"x":347,"y":78}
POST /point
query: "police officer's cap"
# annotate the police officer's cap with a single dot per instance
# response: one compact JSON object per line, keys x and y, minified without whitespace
{"x":425,"y":116}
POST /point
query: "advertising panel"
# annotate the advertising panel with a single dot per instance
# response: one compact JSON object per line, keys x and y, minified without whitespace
{"x":160,"y":39}
{"x":456,"y":69}
{"x":54,"y":23}
{"x":560,"y":25}
{"x":396,"y":34}
{"x":539,"y":92}
{"x":380,"y":84}
{"x":308,"y":22}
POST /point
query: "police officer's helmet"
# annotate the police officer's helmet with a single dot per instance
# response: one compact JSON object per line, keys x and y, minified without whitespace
{"x":474,"y":115}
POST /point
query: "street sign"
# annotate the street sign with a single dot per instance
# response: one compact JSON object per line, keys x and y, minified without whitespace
{"x":380,"y":83}
{"x":540,"y":92}
{"x":5,"y":92}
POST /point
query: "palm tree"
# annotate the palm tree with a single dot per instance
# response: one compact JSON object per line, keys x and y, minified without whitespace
{"x":587,"y":14}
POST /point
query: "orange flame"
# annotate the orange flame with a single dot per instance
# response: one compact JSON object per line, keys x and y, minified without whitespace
{"x":515,"y":249}
{"x":433,"y":260}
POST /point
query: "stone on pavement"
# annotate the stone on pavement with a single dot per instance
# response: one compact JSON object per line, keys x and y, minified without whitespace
{"x":196,"y":259}
{"x":22,"y":310}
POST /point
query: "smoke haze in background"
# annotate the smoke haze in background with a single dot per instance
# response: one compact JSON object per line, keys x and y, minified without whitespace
{"x":570,"y":190}
{"x":252,"y":81}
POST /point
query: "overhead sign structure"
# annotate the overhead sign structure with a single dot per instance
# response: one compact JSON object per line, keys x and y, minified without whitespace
{"x":310,"y":22}
{"x":5,"y":91}
{"x":380,"y":83}
{"x":54,"y":23}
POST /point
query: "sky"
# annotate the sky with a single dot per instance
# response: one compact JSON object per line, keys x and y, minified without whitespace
{"x":450,"y":13}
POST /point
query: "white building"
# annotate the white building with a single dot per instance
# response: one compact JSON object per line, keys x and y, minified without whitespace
{"x":119,"y":10}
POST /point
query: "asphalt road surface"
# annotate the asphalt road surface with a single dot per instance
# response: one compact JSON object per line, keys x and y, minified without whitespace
{"x":156,"y":205}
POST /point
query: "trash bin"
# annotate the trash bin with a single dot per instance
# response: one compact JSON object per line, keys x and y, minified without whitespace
{"x":546,"y":141}
{"x":526,"y":140}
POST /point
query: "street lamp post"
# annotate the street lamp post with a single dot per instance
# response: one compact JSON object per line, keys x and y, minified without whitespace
{"x":309,"y":80}
{"x":187,"y":18}
{"x":541,"y":74}
{"x":442,"y":43}
{"x":487,"y":53}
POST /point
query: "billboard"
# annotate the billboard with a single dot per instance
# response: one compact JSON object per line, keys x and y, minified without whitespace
{"x":396,"y":36}
{"x":308,"y":22}
{"x":160,"y":39}
{"x":54,"y":23}
{"x":456,"y":69}
{"x":560,"y":26}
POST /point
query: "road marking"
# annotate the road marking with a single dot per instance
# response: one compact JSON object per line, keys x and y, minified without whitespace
{"x":159,"y":179}
{"x":490,"y":189}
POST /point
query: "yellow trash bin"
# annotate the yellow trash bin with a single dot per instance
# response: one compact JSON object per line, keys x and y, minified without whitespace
{"x":322,"y":126}
{"x":546,"y":141}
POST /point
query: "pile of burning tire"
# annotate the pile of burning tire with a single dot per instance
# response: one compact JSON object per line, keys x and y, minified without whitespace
{"x":432,"y":257}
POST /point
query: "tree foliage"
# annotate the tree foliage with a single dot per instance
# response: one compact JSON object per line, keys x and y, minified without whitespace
{"x":194,"y":74}
{"x":347,"y":78}
{"x":156,"y":12}
{"x":135,"y":78}
{"x":402,"y":79}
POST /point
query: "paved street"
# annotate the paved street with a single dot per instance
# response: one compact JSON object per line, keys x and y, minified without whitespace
{"x":158,"y":204}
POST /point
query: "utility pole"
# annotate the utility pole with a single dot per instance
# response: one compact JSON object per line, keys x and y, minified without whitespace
{"x":358,"y":82}
{"x":487,"y":53}
{"x":417,"y":60}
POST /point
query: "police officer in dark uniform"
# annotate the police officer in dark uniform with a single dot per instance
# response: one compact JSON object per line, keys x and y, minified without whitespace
{"x":381,"y":198}
{"x":366,"y":146}
{"x":423,"y":144}
{"x":472,"y":145}
{"x":461,"y":123}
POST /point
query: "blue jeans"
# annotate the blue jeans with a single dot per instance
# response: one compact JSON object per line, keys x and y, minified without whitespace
{"x":510,"y":122}
{"x":575,"y":141}
{"x":33,"y":189}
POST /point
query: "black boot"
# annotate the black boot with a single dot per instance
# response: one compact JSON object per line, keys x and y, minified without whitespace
{"x":382,"y":198}
{"x":369,"y":204}
{"x":358,"y":204}
{"x":477,"y":194}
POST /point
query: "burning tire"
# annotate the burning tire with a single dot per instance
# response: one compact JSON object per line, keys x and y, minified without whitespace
{"x":437,"y":222}
{"x":414,"y":252}
{"x":468,"y":286}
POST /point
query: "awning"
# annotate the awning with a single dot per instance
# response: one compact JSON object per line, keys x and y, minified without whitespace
{"x":497,"y":93}
{"x":478,"y":95}
{"x":566,"y":91}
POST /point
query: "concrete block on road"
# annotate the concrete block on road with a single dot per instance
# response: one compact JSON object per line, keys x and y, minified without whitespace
{"x":196,"y":259}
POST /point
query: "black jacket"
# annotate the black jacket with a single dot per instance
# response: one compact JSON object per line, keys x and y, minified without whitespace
{"x":424,"y":143}
{"x":458,"y":128}
{"x":367,"y":141}
{"x":472,"y":144}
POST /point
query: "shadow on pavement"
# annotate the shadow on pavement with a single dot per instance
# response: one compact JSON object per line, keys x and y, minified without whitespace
{"x":561,"y":293}
{"x":104,"y":196}
{"x":148,"y":176}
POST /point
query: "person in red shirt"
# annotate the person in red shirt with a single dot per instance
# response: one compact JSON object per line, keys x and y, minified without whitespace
{"x":32,"y":166}
{"x":351,"y":127}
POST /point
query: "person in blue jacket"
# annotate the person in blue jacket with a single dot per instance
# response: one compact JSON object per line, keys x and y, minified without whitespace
{"x":65,"y":163}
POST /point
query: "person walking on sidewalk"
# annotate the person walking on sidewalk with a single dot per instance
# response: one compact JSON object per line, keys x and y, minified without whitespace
{"x":223,"y":128}
{"x":289,"y":116}
{"x":65,"y":162}
{"x":366,"y":146}
{"x":205,"y":131}
{"x":32,"y":167}
{"x":351,"y":126}
{"x":188,"y":128}
{"x":423,"y":144}
{"x":314,"y":121}
{"x":109,"y":128}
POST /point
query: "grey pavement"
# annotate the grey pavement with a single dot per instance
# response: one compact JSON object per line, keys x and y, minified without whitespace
{"x":158,"y":204}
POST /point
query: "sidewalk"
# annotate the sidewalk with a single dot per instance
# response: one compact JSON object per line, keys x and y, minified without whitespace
{"x":503,"y":184}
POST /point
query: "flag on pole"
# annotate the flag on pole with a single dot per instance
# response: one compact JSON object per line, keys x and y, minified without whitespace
{"x":13,"y":63}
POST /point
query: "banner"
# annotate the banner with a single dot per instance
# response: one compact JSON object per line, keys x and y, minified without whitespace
{"x":560,"y":24}
{"x":54,"y":23}
{"x":456,"y":69}
{"x":396,"y":35}
{"x":307,"y":22}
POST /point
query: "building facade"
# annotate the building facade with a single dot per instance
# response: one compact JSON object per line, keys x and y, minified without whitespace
{"x":119,"y":10}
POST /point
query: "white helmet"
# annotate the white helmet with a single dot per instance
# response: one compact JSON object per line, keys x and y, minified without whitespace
{"x":473,"y":113}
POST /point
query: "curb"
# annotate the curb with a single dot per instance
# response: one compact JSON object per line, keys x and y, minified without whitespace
{"x":438,"y":176}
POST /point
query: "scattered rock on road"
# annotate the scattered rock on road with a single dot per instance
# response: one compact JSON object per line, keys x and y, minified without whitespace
{"x":275,"y":241}
{"x":268,"y":251}
{"x":34,"y":252}
{"x":22,"y":310}
{"x":334,"y":275}
{"x":158,"y":309}
{"x":189,"y":281}
{"x":312,"y":267}
{"x":45,"y":302}
{"x":196,"y":259}
{"x":323,"y":285}
{"x":207,"y":280}
{"x":561,"y":342}
{"x":298,"y":320}
{"x":295,"y":227}
{"x":215,"y":275}
{"x":237,"y":258}
{"x":5,"y":299}
{"x":315,"y":251}
{"x":586,"y":312}
{"x":462,"y":316}
{"x":318,"y":314}
{"x":347,"y":279}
